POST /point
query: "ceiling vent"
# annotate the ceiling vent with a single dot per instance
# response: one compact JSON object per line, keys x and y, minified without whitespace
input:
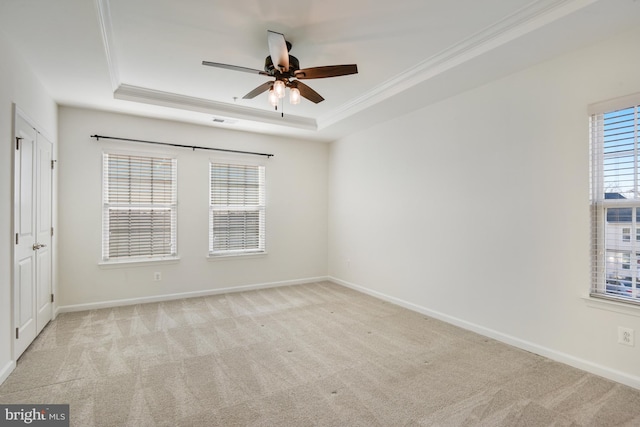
{"x":225,"y":121}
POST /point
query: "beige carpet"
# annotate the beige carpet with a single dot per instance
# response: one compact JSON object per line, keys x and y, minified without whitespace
{"x":316,"y":354}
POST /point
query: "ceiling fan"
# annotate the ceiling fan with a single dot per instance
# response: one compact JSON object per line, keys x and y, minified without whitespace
{"x":285,"y":69}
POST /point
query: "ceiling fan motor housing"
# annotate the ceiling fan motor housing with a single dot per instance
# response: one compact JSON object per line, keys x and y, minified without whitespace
{"x":294,"y":65}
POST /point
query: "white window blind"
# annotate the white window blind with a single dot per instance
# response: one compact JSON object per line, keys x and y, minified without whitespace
{"x":236,"y":209}
{"x":139,"y":207}
{"x":615,"y":203}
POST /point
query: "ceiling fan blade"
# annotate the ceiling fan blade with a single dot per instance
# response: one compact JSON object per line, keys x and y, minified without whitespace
{"x":234,"y":68}
{"x":307,"y":92}
{"x":278,"y":50}
{"x":257,"y":91}
{"x":327,"y":71}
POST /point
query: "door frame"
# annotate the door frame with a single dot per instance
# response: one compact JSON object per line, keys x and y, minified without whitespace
{"x":17,"y":114}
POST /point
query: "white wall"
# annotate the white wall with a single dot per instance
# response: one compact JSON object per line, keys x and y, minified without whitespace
{"x":476,"y":210}
{"x":20,"y":87}
{"x":296,"y":211}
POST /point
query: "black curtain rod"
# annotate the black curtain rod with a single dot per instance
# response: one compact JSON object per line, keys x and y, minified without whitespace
{"x":193,"y":147}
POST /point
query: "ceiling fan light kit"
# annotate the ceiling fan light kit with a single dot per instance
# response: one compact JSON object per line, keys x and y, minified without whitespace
{"x":285,"y":69}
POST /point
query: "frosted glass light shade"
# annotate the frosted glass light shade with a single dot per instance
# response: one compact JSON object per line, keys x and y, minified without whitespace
{"x":278,"y":88}
{"x":294,"y":96}
{"x":273,"y":98}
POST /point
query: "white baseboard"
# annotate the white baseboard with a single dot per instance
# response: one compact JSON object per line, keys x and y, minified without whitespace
{"x":567,"y":359}
{"x":181,"y":295}
{"x":6,"y":370}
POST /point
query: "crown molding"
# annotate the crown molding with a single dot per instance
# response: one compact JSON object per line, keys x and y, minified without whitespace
{"x":106,"y":30}
{"x":173,"y":100}
{"x":525,"y":20}
{"x":529,"y":18}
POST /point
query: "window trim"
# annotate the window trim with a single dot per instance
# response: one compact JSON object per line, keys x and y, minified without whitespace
{"x":599,"y":204}
{"x":261,"y":207}
{"x":106,"y":261}
{"x":612,"y":303}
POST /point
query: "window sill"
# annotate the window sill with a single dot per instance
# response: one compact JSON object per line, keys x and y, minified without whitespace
{"x":228,"y":257}
{"x":617,"y":305}
{"x":138,"y":262}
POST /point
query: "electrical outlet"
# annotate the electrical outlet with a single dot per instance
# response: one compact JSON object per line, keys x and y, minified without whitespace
{"x":157,"y":276}
{"x":625,"y":336}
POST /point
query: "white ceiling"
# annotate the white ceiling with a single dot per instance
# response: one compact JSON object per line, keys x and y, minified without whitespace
{"x":144,"y":57}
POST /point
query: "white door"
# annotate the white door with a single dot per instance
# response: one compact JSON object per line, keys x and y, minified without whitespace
{"x":32,"y":255}
{"x":43,"y":231}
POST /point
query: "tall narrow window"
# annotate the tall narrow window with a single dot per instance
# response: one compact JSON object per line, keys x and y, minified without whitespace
{"x":615,"y":199}
{"x":236,"y":209}
{"x":139,"y":218}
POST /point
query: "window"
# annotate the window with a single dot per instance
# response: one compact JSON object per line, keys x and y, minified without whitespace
{"x":236,"y":209}
{"x":139,"y":218}
{"x":615,"y":199}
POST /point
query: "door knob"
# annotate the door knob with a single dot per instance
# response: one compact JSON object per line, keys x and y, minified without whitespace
{"x":37,"y":246}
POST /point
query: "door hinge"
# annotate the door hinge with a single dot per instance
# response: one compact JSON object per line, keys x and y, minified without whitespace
{"x":53,"y":162}
{"x":16,"y":238}
{"x":52,"y":298}
{"x":17,"y":333}
{"x":51,"y":231}
{"x":18,"y":139}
